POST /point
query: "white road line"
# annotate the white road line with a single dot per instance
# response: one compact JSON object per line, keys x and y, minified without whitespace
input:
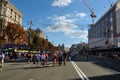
{"x":79,"y":71}
{"x":116,"y":72}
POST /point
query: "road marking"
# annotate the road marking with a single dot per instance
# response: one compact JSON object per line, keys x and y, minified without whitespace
{"x":79,"y":71}
{"x":116,"y":72}
{"x":80,"y":75}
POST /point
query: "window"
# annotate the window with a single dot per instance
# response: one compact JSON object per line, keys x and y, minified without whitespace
{"x":11,"y":11}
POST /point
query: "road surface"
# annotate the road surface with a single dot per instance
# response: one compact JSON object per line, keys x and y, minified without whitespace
{"x":80,"y":69}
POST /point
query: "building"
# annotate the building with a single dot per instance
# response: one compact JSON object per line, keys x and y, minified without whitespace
{"x":80,"y":47}
{"x":105,"y":33}
{"x":8,"y":13}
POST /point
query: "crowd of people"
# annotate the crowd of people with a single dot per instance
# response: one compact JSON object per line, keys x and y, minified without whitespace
{"x":58,"y":57}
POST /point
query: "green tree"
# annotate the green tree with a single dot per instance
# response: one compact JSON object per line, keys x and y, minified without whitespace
{"x":36,"y":40}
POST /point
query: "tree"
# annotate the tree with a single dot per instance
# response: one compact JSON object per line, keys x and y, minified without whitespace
{"x":36,"y":40}
{"x":50,"y":45}
{"x":38,"y":31}
{"x":15,"y":32}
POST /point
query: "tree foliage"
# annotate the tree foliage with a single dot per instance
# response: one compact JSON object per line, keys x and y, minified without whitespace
{"x":36,"y":40}
{"x":38,"y":31}
{"x":14,"y":32}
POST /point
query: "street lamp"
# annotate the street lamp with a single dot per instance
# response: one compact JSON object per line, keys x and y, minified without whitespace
{"x":30,"y":23}
{"x":47,"y":42}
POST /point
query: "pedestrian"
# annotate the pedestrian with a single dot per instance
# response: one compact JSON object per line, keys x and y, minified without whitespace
{"x":15,"y":55}
{"x":64,"y":57}
{"x":2,"y":57}
{"x":30,"y":56}
{"x":60,"y":56}
{"x":46,"y":60}
{"x":43,"y":58}
{"x":37,"y":57}
{"x":54,"y":56}
{"x":34,"y":58}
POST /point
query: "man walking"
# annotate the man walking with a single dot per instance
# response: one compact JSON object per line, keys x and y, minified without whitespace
{"x":60,"y":56}
{"x":64,"y":57}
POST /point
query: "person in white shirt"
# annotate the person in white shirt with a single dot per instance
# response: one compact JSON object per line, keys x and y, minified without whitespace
{"x":43,"y":58}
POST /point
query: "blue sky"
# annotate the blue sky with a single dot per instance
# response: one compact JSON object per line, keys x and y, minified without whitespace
{"x":63,"y":21}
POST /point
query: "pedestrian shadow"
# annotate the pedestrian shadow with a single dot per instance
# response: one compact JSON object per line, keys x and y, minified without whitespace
{"x":36,"y":67}
{"x":12,"y":69}
{"x":25,"y":67}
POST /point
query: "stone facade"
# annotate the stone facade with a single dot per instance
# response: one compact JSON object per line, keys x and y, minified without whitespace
{"x":9,"y":13}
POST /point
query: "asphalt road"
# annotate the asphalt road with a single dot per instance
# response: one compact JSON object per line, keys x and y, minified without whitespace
{"x":79,"y":69}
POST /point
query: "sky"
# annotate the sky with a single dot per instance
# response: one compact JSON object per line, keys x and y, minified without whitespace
{"x":63,"y":21}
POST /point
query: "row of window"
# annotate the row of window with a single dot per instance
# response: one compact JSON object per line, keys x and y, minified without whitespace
{"x":104,"y":28}
{"x":10,"y":13}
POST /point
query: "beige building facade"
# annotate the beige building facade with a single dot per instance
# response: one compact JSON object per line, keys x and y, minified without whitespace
{"x":9,"y":13}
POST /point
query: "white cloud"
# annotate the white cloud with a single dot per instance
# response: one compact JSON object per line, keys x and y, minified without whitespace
{"x":61,"y":3}
{"x":67,"y":26}
{"x":77,"y":34}
{"x":82,"y":15}
{"x":64,"y":19}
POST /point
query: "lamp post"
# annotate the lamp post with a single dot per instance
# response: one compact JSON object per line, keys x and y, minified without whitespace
{"x":47,"y":42}
{"x":30,"y":23}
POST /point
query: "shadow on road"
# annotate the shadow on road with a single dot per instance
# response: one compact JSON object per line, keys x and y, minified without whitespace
{"x":25,"y":66}
{"x":37,"y":67}
{"x":103,"y":62}
{"x":105,"y":77}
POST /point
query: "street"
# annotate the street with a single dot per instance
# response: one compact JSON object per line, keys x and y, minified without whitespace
{"x":80,"y":69}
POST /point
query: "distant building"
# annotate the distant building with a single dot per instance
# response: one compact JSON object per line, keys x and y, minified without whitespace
{"x":105,"y":33}
{"x":80,"y":47}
